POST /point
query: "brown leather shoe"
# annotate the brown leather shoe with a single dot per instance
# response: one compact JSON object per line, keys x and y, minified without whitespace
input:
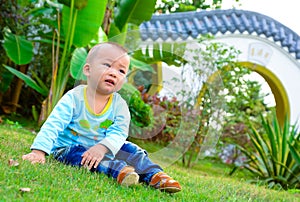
{"x":128,"y":177}
{"x":164,"y":182}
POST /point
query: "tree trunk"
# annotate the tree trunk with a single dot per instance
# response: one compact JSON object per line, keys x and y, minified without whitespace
{"x":18,"y":89}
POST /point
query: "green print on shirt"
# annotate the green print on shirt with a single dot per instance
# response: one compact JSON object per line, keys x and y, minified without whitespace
{"x":105,"y":124}
{"x":85,"y":124}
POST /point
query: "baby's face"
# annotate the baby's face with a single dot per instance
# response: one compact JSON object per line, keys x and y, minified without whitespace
{"x":107,"y":69}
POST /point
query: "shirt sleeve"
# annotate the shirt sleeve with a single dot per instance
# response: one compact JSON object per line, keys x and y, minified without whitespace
{"x":117,"y":133}
{"x":57,"y":121}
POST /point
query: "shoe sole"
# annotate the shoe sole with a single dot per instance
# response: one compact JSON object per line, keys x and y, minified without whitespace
{"x":170,"y":189}
{"x":130,"y":179}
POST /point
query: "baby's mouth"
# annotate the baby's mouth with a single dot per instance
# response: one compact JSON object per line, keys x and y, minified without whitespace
{"x":110,"y":81}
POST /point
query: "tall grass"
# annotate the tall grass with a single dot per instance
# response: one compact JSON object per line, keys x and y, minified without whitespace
{"x":54,"y":181}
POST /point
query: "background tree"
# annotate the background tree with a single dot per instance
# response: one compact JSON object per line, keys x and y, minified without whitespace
{"x":173,"y":6}
{"x":11,"y":18}
{"x":239,"y":99}
{"x":215,"y":79}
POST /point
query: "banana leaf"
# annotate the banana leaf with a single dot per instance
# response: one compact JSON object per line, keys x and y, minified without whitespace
{"x":17,"y":48}
{"x":87,"y":21}
{"x":137,"y":64}
{"x":77,"y":63}
{"x":170,"y":53}
{"x":133,"y":11}
{"x":29,"y":81}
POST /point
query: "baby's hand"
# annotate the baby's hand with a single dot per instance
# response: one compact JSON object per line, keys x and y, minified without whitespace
{"x":35,"y":156}
{"x":93,"y":156}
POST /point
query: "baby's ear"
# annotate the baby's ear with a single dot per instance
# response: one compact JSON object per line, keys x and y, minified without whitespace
{"x":86,"y":69}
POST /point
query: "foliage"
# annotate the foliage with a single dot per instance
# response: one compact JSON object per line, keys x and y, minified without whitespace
{"x":135,"y":12}
{"x":72,"y":20}
{"x":72,"y":25}
{"x":18,"y":49}
{"x":76,"y":33}
{"x":6,"y":78}
{"x":57,"y":182}
{"x":77,"y":62}
{"x":11,"y":19}
{"x":275,"y":158}
{"x":213,"y":61}
{"x":64,"y":26}
{"x":206,"y":77}
{"x":222,"y":123}
{"x":209,"y":75}
{"x":165,"y":122}
{"x":245,"y":101}
{"x":172,"y":6}
{"x":141,"y":113}
{"x":168,"y":52}
{"x":30,"y":82}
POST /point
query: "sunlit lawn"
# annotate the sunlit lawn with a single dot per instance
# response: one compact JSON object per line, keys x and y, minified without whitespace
{"x":207,"y":181}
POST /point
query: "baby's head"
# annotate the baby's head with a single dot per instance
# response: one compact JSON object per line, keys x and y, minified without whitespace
{"x":106,"y":67}
{"x":96,"y":50}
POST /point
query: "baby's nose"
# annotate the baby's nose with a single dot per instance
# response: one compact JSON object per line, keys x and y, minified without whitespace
{"x":112,"y":72}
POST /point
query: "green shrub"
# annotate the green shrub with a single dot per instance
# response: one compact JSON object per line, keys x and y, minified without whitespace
{"x":275,"y":158}
{"x":141,"y":113}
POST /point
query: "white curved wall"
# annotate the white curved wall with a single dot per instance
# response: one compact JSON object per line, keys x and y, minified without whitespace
{"x":261,"y":51}
{"x":266,"y":53}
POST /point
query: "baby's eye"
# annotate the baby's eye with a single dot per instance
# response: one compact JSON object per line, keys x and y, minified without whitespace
{"x":122,"y":71}
{"x":107,"y":65}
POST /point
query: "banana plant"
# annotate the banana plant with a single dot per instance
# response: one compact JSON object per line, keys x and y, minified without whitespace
{"x":169,"y":52}
{"x":18,"y":48}
{"x":134,"y":11}
{"x":78,"y":23}
{"x":20,"y":51}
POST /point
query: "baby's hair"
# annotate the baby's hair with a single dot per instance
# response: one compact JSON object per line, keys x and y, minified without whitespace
{"x":94,"y":49}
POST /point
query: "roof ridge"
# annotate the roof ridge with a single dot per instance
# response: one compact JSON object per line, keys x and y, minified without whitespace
{"x":191,"y":24}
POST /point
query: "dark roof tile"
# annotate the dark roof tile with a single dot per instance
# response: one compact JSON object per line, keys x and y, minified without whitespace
{"x":192,"y":24}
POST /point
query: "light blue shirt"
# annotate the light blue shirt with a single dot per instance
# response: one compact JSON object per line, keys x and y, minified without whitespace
{"x":72,"y":122}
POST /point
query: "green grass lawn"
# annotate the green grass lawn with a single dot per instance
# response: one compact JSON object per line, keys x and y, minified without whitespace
{"x":53,"y":181}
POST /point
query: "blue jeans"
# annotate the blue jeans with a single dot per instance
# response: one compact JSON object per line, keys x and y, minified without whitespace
{"x":129,"y":155}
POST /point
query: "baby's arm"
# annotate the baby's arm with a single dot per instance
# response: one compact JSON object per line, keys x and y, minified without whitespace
{"x":56,"y":123}
{"x":35,"y":156}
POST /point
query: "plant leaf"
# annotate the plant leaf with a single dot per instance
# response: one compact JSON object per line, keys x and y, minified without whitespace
{"x":295,"y":153}
{"x":261,"y":148}
{"x":283,"y":154}
{"x":133,"y":11}
{"x":17,"y":48}
{"x":170,"y":53}
{"x":137,"y":64}
{"x":6,"y":79}
{"x":88,"y":21}
{"x":77,"y":63}
{"x":281,"y":167}
{"x":13,"y":163}
{"x":274,"y":135}
{"x":29,"y":81}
